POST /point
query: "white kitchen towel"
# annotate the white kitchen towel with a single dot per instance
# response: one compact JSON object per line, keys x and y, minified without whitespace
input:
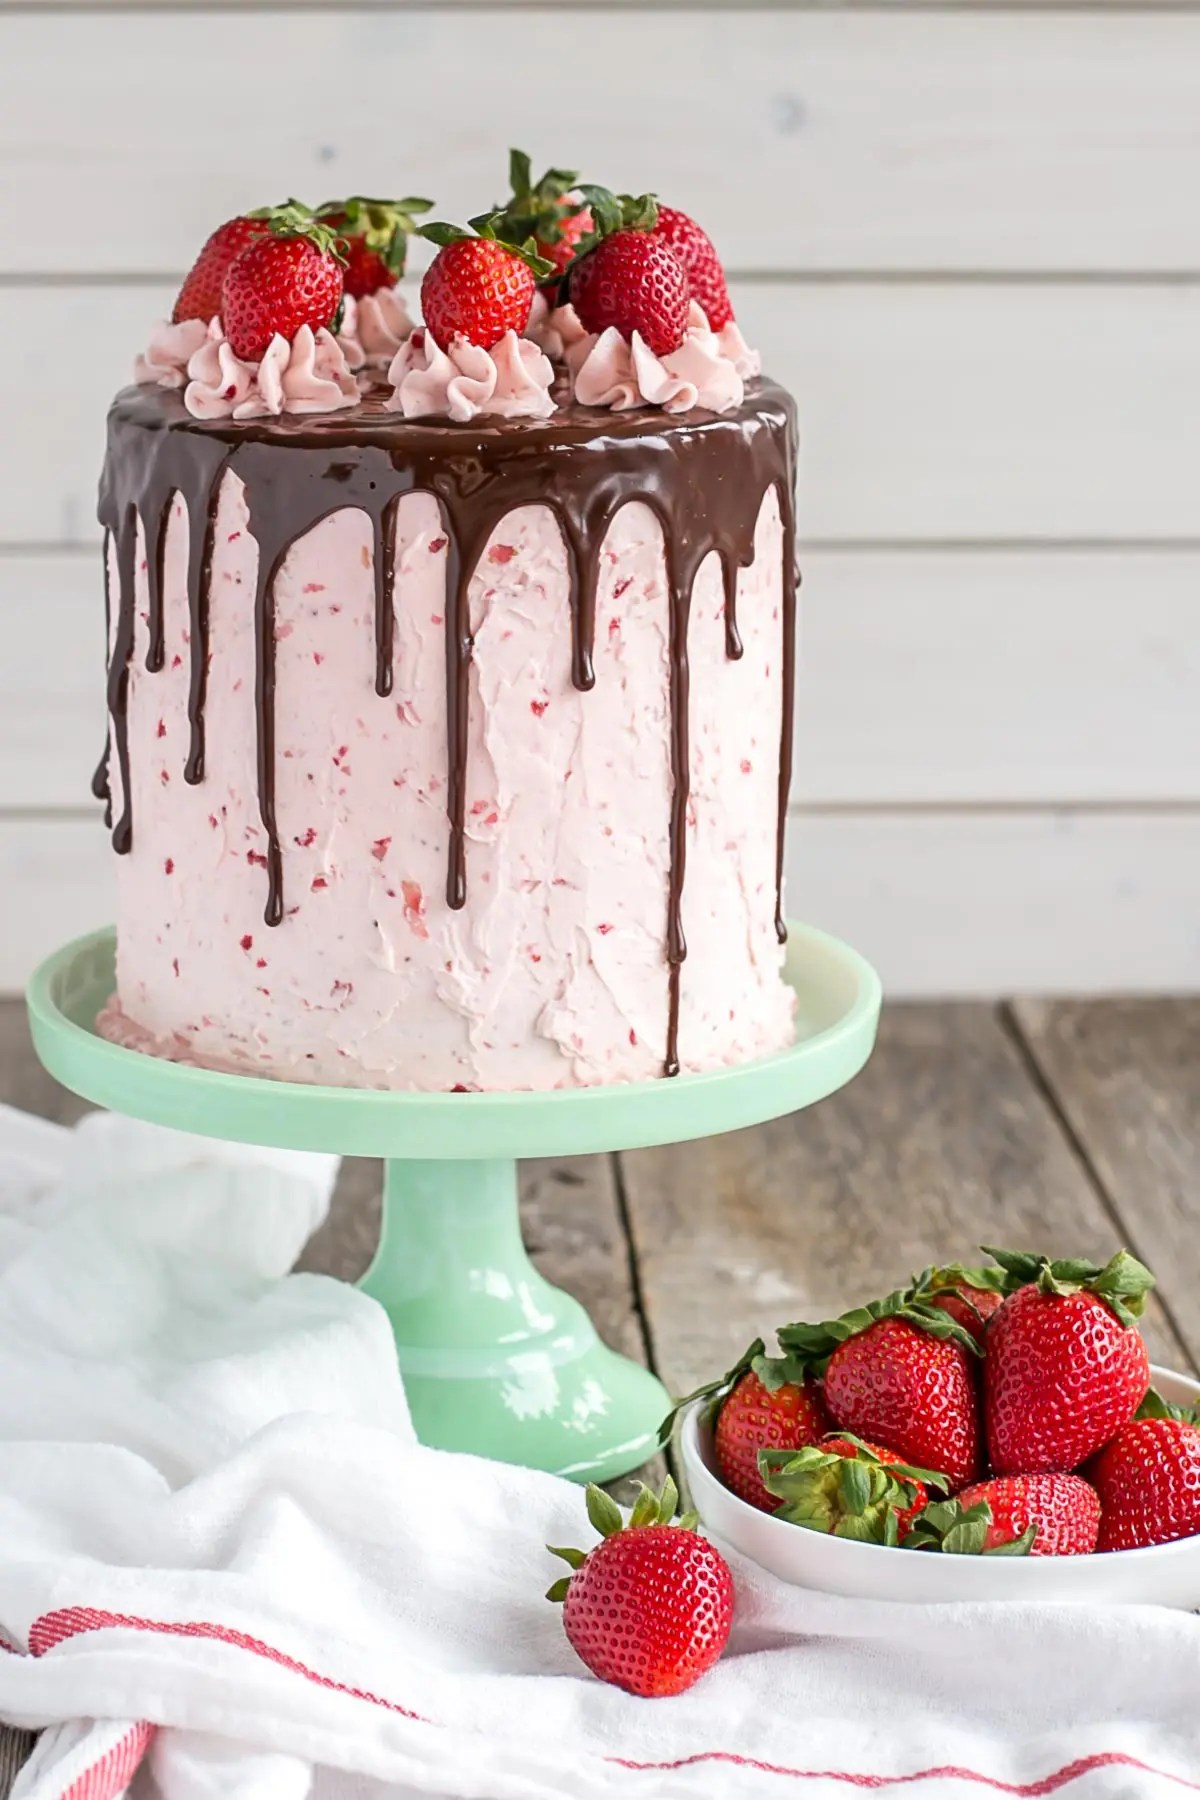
{"x":228,"y":1572}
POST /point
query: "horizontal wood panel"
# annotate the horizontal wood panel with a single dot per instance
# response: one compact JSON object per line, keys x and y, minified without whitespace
{"x":876,"y":140}
{"x":928,"y":412}
{"x":1052,"y":677}
{"x":943,"y":903}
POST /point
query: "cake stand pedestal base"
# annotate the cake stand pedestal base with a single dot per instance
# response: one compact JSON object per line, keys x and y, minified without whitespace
{"x":495,"y":1360}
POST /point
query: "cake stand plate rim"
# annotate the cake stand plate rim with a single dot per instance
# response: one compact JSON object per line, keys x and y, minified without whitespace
{"x":827,"y":974}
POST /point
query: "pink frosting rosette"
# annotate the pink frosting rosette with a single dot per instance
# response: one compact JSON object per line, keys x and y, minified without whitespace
{"x":512,"y":379}
{"x":170,"y":349}
{"x":373,"y":328}
{"x":309,"y":375}
{"x":553,"y":329}
{"x":703,"y":372}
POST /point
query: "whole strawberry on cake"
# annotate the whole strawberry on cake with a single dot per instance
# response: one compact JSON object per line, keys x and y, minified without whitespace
{"x":451,"y":662}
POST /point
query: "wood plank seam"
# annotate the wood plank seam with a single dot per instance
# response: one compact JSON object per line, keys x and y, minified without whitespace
{"x":1041,"y":1081}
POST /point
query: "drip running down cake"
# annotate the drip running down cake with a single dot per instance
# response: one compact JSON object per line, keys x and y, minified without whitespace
{"x":450,"y":664}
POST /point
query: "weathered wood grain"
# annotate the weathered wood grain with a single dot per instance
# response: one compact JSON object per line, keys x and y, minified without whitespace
{"x":1126,"y":1076}
{"x":905,"y":652}
{"x":944,"y":901}
{"x":900,"y":138}
{"x":941,"y":1144}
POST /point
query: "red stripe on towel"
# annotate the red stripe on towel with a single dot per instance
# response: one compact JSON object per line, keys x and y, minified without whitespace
{"x":112,"y":1773}
{"x":53,"y":1628}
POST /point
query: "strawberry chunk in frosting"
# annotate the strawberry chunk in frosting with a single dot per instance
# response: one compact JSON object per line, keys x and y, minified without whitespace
{"x":512,"y":379}
{"x":309,"y":375}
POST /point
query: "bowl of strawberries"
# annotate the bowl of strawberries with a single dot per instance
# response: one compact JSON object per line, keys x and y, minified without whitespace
{"x":985,"y":1433}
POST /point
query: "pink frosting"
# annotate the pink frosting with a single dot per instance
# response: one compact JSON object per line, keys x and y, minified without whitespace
{"x":512,"y":378}
{"x":373,"y":329}
{"x":746,"y":361}
{"x":608,"y":371}
{"x":553,"y":974}
{"x":553,"y":329}
{"x":171,"y":347}
{"x":309,"y":375}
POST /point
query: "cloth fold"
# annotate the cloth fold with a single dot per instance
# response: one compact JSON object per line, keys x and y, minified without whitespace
{"x":227,"y":1568}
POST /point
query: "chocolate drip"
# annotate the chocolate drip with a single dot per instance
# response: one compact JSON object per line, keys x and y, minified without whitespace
{"x":100,"y":782}
{"x":584,"y":465}
{"x":199,"y":574}
{"x":118,"y":670}
{"x":791,"y":582}
{"x":681,"y":771}
{"x":734,"y":648}
{"x":155,"y":528}
{"x":384,"y":562}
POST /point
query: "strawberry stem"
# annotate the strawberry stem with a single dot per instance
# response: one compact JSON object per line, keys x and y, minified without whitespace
{"x":1122,"y":1282}
{"x":486,"y":225}
{"x":384,"y":226}
{"x":295,"y":220}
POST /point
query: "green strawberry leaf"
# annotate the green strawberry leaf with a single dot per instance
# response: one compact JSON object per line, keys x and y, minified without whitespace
{"x":487,"y":225}
{"x":576,"y":1558}
{"x":1154,"y":1406}
{"x":855,"y":1484}
{"x":439,"y":232}
{"x":603,"y":1511}
{"x":668,"y":1502}
{"x":1122,"y":1283}
{"x":645,"y":1509}
{"x":861,"y":1531}
{"x":520,"y":174}
{"x":558,"y":1590}
{"x":714,"y":1390}
{"x":1020,"y":1546}
{"x":813,"y":1345}
{"x":687,"y":1521}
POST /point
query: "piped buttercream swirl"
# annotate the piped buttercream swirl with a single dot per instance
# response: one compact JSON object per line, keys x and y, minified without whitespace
{"x":309,"y":375}
{"x":610,"y":371}
{"x":373,"y":328}
{"x":554,"y":329}
{"x":512,"y":379}
{"x":170,"y":349}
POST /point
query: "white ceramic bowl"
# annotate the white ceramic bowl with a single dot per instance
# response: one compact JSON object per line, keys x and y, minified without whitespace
{"x":1164,"y":1575}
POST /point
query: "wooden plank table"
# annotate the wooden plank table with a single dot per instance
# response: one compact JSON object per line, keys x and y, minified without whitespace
{"x":1069,"y":1125}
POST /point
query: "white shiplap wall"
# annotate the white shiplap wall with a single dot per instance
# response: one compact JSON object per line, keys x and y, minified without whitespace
{"x":968,"y":238}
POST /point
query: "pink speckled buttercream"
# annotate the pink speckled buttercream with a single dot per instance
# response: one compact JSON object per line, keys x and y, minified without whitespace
{"x":554,"y":972}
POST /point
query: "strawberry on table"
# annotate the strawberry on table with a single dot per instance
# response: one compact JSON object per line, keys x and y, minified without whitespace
{"x":1148,"y":1478}
{"x":650,"y":1607}
{"x":902,"y":1373}
{"x":848,"y":1488}
{"x":701,"y":264}
{"x":289,"y":276}
{"x":478,"y":286}
{"x":630,"y":279}
{"x":374,"y":238}
{"x":200,"y":295}
{"x":1066,"y":1366}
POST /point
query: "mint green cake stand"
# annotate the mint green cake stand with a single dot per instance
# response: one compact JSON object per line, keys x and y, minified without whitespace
{"x":495,"y":1360}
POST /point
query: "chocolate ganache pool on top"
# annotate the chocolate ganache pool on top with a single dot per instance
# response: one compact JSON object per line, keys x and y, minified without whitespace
{"x":450,"y":747}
